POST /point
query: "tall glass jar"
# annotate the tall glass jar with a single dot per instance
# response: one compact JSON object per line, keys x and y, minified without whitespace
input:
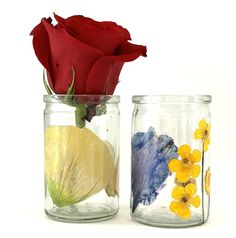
{"x":170,"y":160}
{"x":81,"y":142}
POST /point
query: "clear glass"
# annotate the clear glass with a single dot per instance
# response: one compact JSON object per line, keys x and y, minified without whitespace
{"x":81,"y":143}
{"x":170,"y":160}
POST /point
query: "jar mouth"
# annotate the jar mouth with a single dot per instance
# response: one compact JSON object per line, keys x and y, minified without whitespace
{"x":83,"y":99}
{"x":175,"y":99}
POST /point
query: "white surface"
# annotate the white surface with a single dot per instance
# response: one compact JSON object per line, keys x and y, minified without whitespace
{"x":191,"y":50}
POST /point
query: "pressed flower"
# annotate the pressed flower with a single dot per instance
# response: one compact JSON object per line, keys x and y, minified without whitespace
{"x":184,"y":198}
{"x":150,"y":157}
{"x":203,"y":133}
{"x":78,"y":164}
{"x":191,"y":180}
{"x":112,"y":188}
{"x":186,"y":167}
{"x":208,"y":181}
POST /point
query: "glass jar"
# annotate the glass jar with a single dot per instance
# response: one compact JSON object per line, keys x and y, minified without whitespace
{"x":170,"y":160}
{"x":81,"y":143}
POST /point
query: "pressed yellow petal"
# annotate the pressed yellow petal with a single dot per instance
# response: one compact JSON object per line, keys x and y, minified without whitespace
{"x":205,"y":147}
{"x":208,"y":140}
{"x":175,"y":206}
{"x":195,"y":170}
{"x":195,"y":156}
{"x":191,"y":189}
{"x":208,"y":181}
{"x":183,"y":175}
{"x":198,"y":134}
{"x":185,"y":212}
{"x":184,"y":151}
{"x":174,"y":165}
{"x":203,"y":125}
{"x":195,"y":201}
{"x":209,"y":128}
{"x":178,"y":192}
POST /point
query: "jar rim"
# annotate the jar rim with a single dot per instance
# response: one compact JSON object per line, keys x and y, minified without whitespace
{"x":143,"y":99}
{"x":84,"y":98}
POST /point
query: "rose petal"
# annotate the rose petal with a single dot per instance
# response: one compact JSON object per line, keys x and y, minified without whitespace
{"x":127,"y":48}
{"x":104,"y":75}
{"x":41,"y":45}
{"x":106,"y":36}
{"x":67,"y":52}
{"x":106,"y":41}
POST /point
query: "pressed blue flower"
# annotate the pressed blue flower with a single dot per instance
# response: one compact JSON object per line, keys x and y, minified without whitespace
{"x":150,"y":157}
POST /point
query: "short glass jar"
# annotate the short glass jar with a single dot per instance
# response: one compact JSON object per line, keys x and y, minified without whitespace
{"x":81,"y":142}
{"x":170,"y":160}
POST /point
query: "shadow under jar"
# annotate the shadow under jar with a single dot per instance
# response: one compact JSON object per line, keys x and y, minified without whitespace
{"x":81,"y":143}
{"x":170,"y":160}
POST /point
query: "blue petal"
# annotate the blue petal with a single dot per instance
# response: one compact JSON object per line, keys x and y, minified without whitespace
{"x":140,"y":138}
{"x":150,"y":158}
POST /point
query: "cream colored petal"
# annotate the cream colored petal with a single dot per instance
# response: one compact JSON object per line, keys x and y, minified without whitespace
{"x":77,"y":163}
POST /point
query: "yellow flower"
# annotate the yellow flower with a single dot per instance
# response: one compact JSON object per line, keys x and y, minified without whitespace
{"x":208,"y":181}
{"x":184,"y":198}
{"x":191,"y":180}
{"x":186,"y":167}
{"x":203,"y":133}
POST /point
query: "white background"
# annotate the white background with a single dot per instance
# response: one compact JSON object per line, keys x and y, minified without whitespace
{"x":191,"y":50}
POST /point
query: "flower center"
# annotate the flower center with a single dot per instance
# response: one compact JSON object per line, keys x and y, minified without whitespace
{"x":184,"y":199}
{"x":205,"y":134}
{"x":185,"y":160}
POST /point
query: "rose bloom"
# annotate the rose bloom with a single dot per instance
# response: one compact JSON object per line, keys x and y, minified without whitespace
{"x":95,"y":50}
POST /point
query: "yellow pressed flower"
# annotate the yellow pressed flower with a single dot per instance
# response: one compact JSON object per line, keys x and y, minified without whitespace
{"x":191,"y":180}
{"x":184,"y":198}
{"x":208,"y":181}
{"x":203,"y":133}
{"x":186,"y":167}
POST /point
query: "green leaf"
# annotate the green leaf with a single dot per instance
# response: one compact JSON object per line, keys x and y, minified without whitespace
{"x":70,"y":91}
{"x":46,"y":84}
{"x":80,"y":113}
{"x":80,"y":122}
{"x":101,"y":109}
{"x":81,"y":110}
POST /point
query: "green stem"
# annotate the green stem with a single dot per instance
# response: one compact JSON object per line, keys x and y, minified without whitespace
{"x":202,"y":185}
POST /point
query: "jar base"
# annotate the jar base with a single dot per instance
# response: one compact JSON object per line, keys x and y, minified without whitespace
{"x":161,"y":217}
{"x":82,"y":214}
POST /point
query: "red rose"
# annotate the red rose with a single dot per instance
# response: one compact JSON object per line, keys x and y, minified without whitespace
{"x":96,"y":50}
